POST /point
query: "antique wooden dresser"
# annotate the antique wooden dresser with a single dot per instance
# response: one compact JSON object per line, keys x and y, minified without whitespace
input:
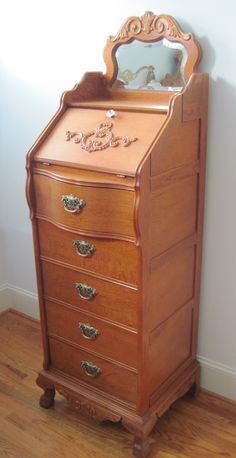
{"x":115,"y":189}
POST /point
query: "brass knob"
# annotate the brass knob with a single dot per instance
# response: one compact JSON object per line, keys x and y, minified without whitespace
{"x":90,"y":369}
{"x":85,"y":291}
{"x":88,"y":332}
{"x":72,"y":204}
{"x":83,"y":248}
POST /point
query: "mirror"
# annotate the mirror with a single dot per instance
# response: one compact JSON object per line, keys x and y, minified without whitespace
{"x":151,"y":66}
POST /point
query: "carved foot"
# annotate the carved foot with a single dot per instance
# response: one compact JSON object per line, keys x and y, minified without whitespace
{"x":47,"y":399}
{"x":141,"y":428}
{"x":141,"y":448}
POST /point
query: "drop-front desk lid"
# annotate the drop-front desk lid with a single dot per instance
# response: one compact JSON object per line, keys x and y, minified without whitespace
{"x":141,"y":128}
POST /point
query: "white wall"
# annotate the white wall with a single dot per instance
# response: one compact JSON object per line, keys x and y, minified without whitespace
{"x":45,"y":48}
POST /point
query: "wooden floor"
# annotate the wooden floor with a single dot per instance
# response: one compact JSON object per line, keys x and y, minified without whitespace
{"x":205,"y":427}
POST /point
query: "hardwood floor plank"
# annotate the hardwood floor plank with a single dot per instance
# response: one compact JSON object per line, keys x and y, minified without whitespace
{"x":200,"y":428}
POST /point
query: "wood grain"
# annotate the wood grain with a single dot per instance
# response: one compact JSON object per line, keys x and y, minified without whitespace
{"x":115,"y":206}
{"x":109,"y":259}
{"x":56,"y":150}
{"x":112,"y":301}
{"x":149,"y":194}
{"x":63,"y":322}
{"x":114,"y":379}
{"x":200,"y":428}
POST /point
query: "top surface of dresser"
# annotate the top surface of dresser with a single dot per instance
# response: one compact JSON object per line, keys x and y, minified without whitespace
{"x":120,"y":159}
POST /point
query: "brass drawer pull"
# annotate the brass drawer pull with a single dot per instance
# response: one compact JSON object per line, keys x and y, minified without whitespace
{"x":85,"y":291}
{"x":73,"y":204}
{"x":83,"y":248}
{"x":88,"y":332}
{"x":90,"y":369}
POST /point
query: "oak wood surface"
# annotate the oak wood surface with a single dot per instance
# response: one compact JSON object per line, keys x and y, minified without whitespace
{"x":171,"y":283}
{"x":173,"y":214}
{"x":64,"y":322}
{"x":159,"y":207}
{"x":112,"y":301}
{"x":109,"y":259}
{"x":201,"y":428}
{"x":119,"y":159}
{"x":101,"y":206}
{"x":114,"y":378}
{"x":170,"y":342}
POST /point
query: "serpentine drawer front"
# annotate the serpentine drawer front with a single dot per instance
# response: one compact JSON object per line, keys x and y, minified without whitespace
{"x":104,"y":256}
{"x":85,"y":208}
{"x":115,"y":187}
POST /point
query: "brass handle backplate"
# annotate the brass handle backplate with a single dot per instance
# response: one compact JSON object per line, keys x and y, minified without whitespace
{"x":85,"y":291}
{"x":90,"y":369}
{"x":88,"y":332}
{"x":73,"y":204}
{"x":83,"y":248}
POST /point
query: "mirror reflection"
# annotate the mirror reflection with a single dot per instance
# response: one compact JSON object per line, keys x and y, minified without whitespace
{"x":151,"y":66}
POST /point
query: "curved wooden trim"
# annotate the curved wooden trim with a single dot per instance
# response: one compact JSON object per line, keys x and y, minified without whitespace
{"x":92,"y":85}
{"x":105,"y":235}
{"x":90,"y":391}
{"x":150,"y":28}
{"x":89,"y":272}
{"x":79,"y":182}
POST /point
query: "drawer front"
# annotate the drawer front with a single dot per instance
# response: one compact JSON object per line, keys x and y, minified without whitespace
{"x":106,"y":376}
{"x":92,"y":334}
{"x":107,"y":257}
{"x":108,"y":211}
{"x":110,"y":300}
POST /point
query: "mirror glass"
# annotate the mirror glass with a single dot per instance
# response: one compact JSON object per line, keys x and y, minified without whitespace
{"x":151,"y":66}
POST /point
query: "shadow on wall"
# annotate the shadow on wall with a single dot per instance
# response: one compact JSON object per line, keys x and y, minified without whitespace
{"x":27,"y":108}
{"x":218,"y":293}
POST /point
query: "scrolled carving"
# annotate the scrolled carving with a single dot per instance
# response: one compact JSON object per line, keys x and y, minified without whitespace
{"x":149,"y":23}
{"x":103,"y":137}
{"x":85,"y":408}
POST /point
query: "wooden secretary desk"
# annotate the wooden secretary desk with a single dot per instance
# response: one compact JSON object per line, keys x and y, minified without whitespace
{"x":115,"y":189}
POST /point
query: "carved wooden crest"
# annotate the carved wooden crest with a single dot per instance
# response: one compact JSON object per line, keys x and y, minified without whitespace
{"x":149,"y":23}
{"x":151,"y":28}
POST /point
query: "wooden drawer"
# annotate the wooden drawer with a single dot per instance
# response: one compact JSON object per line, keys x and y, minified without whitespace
{"x":108,"y":340}
{"x":108,"y":257}
{"x":113,"y":379}
{"x":112,"y":301}
{"x":107,"y":211}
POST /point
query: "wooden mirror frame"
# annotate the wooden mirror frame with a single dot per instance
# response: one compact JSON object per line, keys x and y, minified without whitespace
{"x":151,"y":28}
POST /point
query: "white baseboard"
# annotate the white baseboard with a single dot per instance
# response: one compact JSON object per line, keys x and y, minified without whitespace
{"x":4,"y":300}
{"x":218,"y":378}
{"x":215,"y":377}
{"x":19,"y":299}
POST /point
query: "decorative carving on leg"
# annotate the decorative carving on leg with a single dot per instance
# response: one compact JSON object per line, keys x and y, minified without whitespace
{"x":47,"y":399}
{"x":86,"y":408}
{"x":141,"y":428}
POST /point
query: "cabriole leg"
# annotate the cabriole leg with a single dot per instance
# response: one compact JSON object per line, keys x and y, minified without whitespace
{"x":47,"y":399}
{"x":141,"y":427}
